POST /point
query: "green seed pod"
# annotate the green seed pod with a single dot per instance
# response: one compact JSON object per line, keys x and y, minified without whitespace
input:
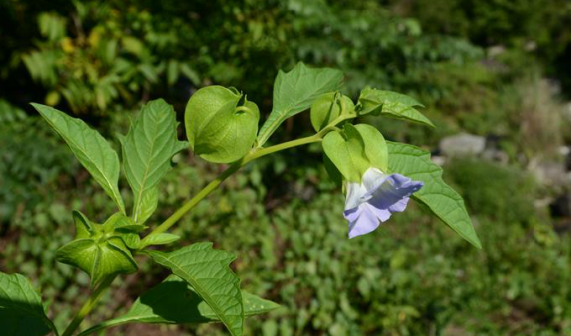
{"x":221,"y":124}
{"x":329,"y":107}
{"x":100,"y":249}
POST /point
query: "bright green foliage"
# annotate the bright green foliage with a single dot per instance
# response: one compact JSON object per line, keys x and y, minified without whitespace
{"x":21,"y":309}
{"x":99,"y":250}
{"x":147,"y":152}
{"x":295,"y":91}
{"x":391,"y":104}
{"x":436,"y":195}
{"x":159,"y":239}
{"x":355,"y":150}
{"x":219,"y":130}
{"x":175,"y":302}
{"x":148,"y":204}
{"x":90,"y":148}
{"x":329,"y":107}
{"x":207,"y":271}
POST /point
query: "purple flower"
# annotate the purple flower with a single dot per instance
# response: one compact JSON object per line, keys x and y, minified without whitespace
{"x":375,"y":199}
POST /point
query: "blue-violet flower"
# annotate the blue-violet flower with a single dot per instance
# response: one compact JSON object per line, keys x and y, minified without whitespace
{"x":375,"y":199}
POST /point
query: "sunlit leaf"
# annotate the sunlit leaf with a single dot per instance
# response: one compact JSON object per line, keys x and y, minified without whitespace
{"x":295,"y":91}
{"x":90,"y":148}
{"x":436,"y":195}
{"x":147,"y":152}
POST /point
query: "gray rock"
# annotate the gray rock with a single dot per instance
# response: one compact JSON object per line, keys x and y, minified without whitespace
{"x":550,"y":173}
{"x":462,"y":145}
{"x":492,"y":154}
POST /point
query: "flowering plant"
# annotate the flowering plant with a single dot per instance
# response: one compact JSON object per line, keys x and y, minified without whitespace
{"x":379,"y":177}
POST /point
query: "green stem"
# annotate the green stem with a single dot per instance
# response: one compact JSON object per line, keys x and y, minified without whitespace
{"x":254,"y":154}
{"x":88,"y":305}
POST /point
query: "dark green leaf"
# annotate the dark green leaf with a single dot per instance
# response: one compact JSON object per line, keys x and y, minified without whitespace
{"x":175,"y":302}
{"x":21,"y":309}
{"x":207,"y":271}
{"x":90,"y":148}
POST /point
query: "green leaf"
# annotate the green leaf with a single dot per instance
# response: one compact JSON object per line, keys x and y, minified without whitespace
{"x":160,"y":239}
{"x":175,"y":302}
{"x":207,"y":271}
{"x":436,"y":195}
{"x":295,"y":91}
{"x":90,"y":148}
{"x":347,"y":152}
{"x":147,"y":152}
{"x":218,"y":129}
{"x":391,"y":104}
{"x":21,"y":309}
{"x":98,"y":250}
{"x":148,"y":204}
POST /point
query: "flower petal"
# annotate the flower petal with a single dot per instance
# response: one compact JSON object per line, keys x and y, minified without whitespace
{"x":373,"y":179}
{"x":355,"y":193}
{"x":365,"y":221}
{"x":399,"y":206}
{"x":394,"y":192}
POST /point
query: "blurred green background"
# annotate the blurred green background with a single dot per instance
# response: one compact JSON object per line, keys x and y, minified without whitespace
{"x":495,"y":77}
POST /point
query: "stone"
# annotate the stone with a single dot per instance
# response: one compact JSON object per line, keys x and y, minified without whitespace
{"x":462,"y":144}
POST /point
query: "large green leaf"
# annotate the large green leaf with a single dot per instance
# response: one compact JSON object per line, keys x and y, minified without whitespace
{"x":175,"y":302}
{"x":391,"y":104}
{"x":21,"y":309}
{"x":207,"y":271}
{"x":436,"y":195}
{"x":295,"y":91}
{"x":147,"y":152}
{"x":90,"y":148}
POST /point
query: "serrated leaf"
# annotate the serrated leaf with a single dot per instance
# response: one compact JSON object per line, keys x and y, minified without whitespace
{"x":391,"y":104}
{"x":160,"y":239}
{"x":147,"y":152}
{"x":175,"y":302}
{"x":436,"y":195}
{"x":21,"y":309}
{"x":90,"y":148}
{"x":295,"y":91}
{"x":207,"y":271}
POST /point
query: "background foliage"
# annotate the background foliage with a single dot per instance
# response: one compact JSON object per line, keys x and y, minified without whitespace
{"x":497,"y":69}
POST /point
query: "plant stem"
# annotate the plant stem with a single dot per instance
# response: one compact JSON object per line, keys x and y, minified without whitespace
{"x":88,"y":305}
{"x":254,"y":154}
